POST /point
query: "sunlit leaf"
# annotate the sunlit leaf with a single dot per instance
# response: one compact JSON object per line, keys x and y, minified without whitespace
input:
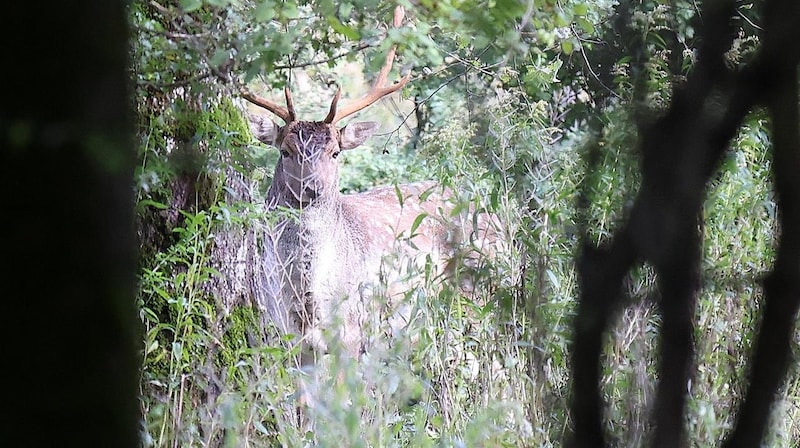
{"x":567,"y":46}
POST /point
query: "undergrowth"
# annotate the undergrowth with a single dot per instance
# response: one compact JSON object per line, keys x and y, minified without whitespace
{"x":486,"y":369}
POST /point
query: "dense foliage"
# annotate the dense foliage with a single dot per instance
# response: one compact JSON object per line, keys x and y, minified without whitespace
{"x":529,"y":109}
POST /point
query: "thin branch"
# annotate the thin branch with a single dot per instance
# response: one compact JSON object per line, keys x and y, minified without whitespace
{"x":405,"y":119}
{"x":160,"y":8}
{"x":588,"y":66}
{"x":175,"y":84}
{"x":360,"y":47}
{"x":747,"y":19}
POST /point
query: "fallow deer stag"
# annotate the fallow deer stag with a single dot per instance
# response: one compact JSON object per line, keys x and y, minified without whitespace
{"x":330,"y":256}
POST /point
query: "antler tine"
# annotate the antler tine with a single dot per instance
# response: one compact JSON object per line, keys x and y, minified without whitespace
{"x":378,"y":89}
{"x":332,"y":112}
{"x":289,"y":104}
{"x":286,"y":114}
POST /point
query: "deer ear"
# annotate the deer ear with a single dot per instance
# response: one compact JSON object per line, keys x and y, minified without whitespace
{"x":265,"y":130}
{"x":354,"y":134}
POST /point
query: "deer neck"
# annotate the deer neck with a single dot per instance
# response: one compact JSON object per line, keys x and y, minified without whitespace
{"x":279,"y":195}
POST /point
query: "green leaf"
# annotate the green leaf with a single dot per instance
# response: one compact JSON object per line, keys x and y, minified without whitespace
{"x":554,"y":280}
{"x":343,"y":29}
{"x":399,"y":195}
{"x":345,"y":9}
{"x":561,"y":20}
{"x":150,"y":203}
{"x":290,"y":11}
{"x":191,"y":5}
{"x":567,"y":47}
{"x":260,"y":426}
{"x":265,"y":12}
{"x":152,"y":347}
{"x":585,"y":25}
{"x":177,"y":351}
{"x":219,"y":58}
{"x":417,"y":222}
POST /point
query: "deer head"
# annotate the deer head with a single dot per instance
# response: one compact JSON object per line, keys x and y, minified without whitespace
{"x":308,"y":170}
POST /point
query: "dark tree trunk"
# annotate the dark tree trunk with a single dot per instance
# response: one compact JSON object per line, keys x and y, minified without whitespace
{"x":70,"y":334}
{"x":680,"y":153}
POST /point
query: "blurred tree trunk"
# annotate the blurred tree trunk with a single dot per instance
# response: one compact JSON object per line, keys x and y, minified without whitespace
{"x":70,"y":329}
{"x":680,"y":152}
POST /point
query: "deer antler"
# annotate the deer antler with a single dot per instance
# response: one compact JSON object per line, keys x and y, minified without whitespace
{"x":378,"y":89}
{"x":286,"y":114}
{"x":332,"y":112}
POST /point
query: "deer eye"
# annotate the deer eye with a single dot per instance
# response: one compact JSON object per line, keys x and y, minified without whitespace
{"x":336,"y":154}
{"x":284,"y":153}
